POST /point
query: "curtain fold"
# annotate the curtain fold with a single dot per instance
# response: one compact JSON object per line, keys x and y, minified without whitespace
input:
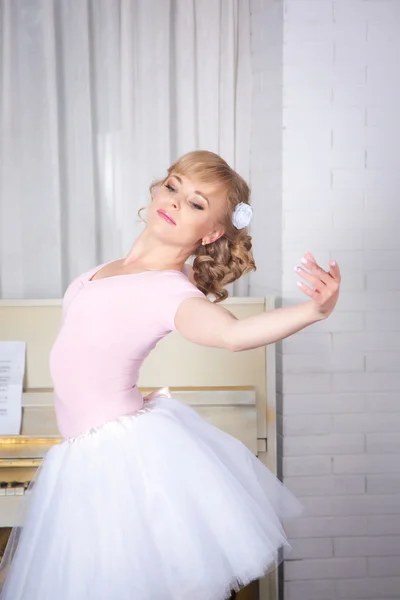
{"x":97,"y":98}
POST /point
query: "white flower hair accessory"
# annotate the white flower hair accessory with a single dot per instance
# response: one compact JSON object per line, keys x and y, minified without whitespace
{"x":242,"y":215}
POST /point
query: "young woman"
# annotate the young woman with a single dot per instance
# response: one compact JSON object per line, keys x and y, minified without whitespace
{"x":143,"y":499}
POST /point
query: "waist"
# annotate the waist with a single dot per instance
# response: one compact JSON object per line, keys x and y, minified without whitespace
{"x":147,"y":404}
{"x":106,"y":424}
{"x":86,"y":411}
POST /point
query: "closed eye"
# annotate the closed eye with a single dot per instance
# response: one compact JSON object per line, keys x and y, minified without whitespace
{"x":194,"y":205}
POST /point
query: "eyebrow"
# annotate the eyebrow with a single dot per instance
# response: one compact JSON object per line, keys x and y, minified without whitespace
{"x":196,"y":191}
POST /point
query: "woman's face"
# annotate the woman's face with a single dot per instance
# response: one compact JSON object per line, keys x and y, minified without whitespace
{"x":183,"y":212}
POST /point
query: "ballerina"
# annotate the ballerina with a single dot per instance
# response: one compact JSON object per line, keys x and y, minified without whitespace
{"x":143,"y":499}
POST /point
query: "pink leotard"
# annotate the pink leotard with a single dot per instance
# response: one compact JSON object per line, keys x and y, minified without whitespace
{"x":108,"y":328}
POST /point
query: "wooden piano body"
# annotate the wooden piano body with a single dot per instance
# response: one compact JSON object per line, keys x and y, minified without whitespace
{"x":235,"y":391}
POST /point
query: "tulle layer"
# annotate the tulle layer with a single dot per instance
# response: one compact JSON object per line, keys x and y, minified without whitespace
{"x":158,"y":505}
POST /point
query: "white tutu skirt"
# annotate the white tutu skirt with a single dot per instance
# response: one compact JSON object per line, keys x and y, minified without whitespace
{"x":158,"y":505}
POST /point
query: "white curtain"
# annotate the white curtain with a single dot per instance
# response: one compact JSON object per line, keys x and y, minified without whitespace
{"x":97,"y":98}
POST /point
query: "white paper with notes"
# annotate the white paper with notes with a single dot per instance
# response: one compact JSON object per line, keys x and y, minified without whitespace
{"x":12,"y":369}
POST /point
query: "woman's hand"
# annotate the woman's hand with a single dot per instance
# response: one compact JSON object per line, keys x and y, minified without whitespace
{"x":324,"y":290}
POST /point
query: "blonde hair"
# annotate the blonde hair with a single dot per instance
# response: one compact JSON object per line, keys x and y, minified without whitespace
{"x":221,"y":262}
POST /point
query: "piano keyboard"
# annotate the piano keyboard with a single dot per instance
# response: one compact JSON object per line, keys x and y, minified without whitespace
{"x":13,"y":488}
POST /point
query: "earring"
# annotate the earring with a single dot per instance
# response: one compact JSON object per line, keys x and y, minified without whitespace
{"x":203,"y":243}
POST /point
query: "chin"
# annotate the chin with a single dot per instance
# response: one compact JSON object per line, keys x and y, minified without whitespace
{"x":169,"y":236}
{"x":164,"y":232}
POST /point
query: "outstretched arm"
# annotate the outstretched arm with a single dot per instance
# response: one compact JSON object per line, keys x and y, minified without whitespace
{"x":208,"y":324}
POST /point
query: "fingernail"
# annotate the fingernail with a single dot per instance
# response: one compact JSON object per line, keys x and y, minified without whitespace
{"x":304,"y":261}
{"x":333,"y":263}
{"x":299,"y":284}
{"x":298,"y":269}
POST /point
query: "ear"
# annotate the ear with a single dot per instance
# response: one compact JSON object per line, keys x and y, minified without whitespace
{"x":213,"y":236}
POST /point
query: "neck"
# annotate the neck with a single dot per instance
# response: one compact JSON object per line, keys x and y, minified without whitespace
{"x":150,"y":254}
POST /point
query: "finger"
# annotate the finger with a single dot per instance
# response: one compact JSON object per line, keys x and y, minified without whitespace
{"x":334,"y":270}
{"x":316,"y":271}
{"x":310,"y":257}
{"x":308,"y":291}
{"x":315,"y":281}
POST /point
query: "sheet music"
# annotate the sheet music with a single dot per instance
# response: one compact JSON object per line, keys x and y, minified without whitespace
{"x":12,"y":369}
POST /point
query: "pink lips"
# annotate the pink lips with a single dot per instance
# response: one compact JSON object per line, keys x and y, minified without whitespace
{"x":166,"y":217}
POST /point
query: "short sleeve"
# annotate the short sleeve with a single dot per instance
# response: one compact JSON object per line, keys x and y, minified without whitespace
{"x":181,"y":289}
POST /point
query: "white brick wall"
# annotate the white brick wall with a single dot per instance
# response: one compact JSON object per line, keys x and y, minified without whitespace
{"x":339,"y":380}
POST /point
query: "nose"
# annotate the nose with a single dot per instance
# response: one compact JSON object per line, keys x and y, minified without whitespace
{"x":176,"y":202}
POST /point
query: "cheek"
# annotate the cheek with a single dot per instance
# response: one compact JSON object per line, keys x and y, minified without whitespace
{"x":192,"y":226}
{"x":197,"y":218}
{"x":157,"y":194}
{"x":159,"y":199}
